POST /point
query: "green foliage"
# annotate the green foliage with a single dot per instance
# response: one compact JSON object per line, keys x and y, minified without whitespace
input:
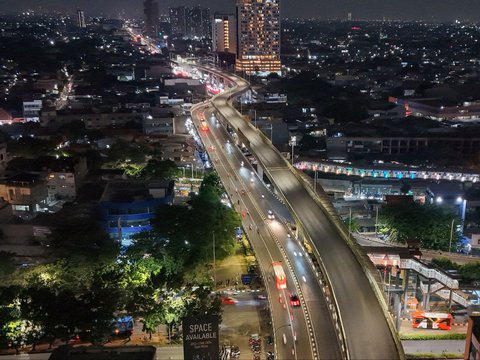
{"x":405,"y":188}
{"x":470,"y":272}
{"x":81,"y":240}
{"x":443,"y":355}
{"x":90,"y":282}
{"x":31,"y":147}
{"x":352,"y":223}
{"x":7,"y":264}
{"x":160,"y":169}
{"x":185,"y":234}
{"x":434,"y":336}
{"x":445,"y":263}
{"x":429,"y":224}
{"x":123,"y":152}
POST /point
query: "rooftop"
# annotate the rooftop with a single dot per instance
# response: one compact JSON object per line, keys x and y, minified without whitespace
{"x":129,"y":190}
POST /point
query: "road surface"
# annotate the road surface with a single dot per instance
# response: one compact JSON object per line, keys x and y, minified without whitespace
{"x":369,"y":334}
{"x":311,"y":324}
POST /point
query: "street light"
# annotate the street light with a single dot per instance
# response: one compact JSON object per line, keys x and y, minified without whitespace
{"x":255,"y":111}
{"x":315,"y":168}
{"x":293,"y":143}
{"x":281,"y":327}
{"x":451,"y":236}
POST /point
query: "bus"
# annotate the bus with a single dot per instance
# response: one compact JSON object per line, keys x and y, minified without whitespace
{"x":280,"y":279}
{"x":204,"y":125}
{"x":432,"y":320}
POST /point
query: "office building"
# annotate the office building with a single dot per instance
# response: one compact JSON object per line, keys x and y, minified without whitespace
{"x":127,"y":207}
{"x":31,"y":110}
{"x":224,"y":34}
{"x":190,"y":23}
{"x":258,"y":36}
{"x":150,"y":11}
{"x":178,"y":21}
{"x":81,"y":19}
{"x":198,"y":23}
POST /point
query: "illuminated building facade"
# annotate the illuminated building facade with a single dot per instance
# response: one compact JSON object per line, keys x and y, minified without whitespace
{"x":224,"y":33}
{"x":81,"y":19}
{"x":258,"y":39}
{"x":191,"y":22}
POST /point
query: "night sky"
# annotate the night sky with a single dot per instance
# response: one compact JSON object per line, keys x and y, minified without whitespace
{"x":437,"y":10}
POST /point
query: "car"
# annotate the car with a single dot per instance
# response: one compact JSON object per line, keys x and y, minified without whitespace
{"x":294,"y":300}
{"x":270,"y":215}
{"x":243,"y":192}
{"x":229,"y":301}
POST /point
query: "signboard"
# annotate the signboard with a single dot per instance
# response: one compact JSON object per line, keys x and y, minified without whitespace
{"x":200,"y":338}
{"x":247,"y":279}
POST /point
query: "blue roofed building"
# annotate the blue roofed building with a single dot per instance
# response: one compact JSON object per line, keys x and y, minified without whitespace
{"x":127,"y":207}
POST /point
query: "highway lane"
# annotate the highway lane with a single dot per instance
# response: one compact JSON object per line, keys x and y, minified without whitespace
{"x":311,"y":291}
{"x":313,"y":320}
{"x":367,"y":331}
{"x":278,"y":300}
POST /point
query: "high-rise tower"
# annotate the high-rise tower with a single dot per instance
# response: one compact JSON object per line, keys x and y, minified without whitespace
{"x":258,"y":36}
{"x":150,"y":10}
{"x":81,"y":19}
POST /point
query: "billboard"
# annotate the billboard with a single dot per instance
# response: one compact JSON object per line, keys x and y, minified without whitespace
{"x":200,"y":338}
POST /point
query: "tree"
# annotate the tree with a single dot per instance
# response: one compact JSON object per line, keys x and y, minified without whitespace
{"x":81,"y":241}
{"x":123,"y":152}
{"x":352,"y":224}
{"x":7,"y":264}
{"x":431,"y":225}
{"x":160,"y":169}
{"x":445,"y":263}
{"x":31,"y":147}
{"x":405,"y":188}
{"x":471,"y":272}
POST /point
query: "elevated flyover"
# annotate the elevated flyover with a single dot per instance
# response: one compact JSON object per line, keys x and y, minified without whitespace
{"x":359,"y":311}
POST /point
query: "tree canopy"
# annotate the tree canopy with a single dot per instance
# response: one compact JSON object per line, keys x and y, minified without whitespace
{"x":431,"y":225}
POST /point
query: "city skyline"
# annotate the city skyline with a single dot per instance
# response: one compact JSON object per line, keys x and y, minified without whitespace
{"x":428,"y":10}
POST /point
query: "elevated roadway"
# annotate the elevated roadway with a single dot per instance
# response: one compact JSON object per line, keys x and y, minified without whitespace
{"x":300,"y":333}
{"x":363,"y":325}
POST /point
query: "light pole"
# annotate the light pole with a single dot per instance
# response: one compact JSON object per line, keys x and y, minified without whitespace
{"x":281,"y":327}
{"x":315,"y":177}
{"x":451,"y":236}
{"x":214,"y":269}
{"x":350,"y":223}
{"x":293,"y":142}
{"x":255,"y":112}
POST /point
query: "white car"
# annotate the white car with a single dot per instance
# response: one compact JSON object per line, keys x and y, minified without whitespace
{"x":270,"y":215}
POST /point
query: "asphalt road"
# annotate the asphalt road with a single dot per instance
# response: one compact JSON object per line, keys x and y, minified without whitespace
{"x":365,"y":325}
{"x":311,"y":324}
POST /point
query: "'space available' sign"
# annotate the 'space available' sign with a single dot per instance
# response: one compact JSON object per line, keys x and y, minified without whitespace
{"x":200,"y":338}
